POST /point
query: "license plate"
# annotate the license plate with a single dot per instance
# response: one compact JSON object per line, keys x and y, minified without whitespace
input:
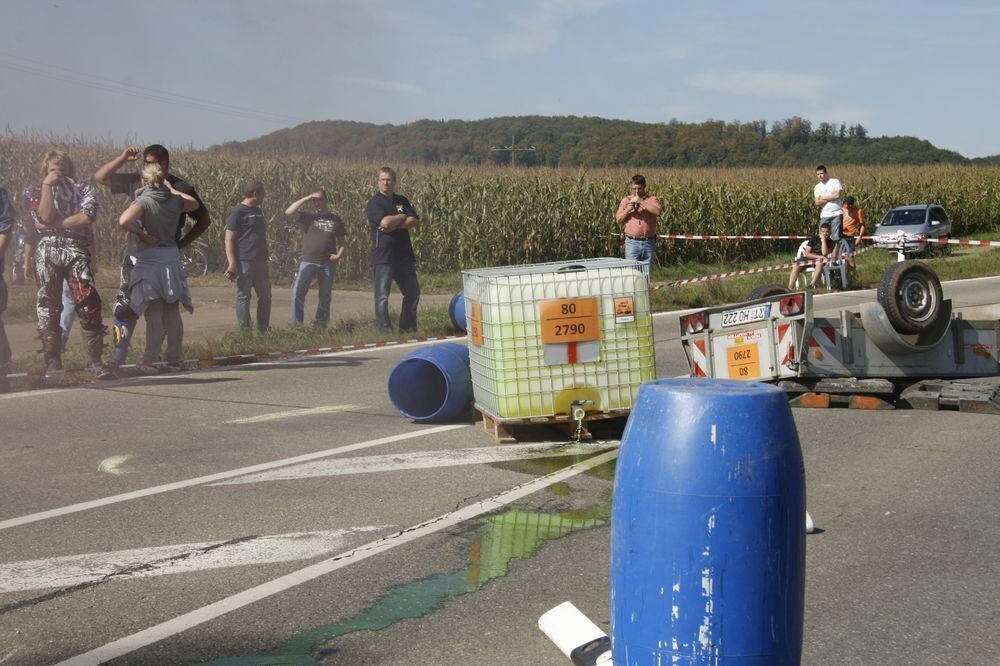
{"x":746,"y":315}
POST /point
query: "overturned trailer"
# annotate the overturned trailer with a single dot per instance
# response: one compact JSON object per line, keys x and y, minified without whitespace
{"x":863,"y":359}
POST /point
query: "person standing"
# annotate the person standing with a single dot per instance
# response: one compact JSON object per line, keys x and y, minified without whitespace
{"x":637,"y":213}
{"x":390,"y":218}
{"x":158,"y":285}
{"x":323,"y":240}
{"x":247,"y":256}
{"x":7,"y":219}
{"x":826,"y":194}
{"x":853,"y":230}
{"x":62,"y":208}
{"x":129,"y":184}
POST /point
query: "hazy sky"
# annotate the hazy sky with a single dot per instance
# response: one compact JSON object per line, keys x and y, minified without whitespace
{"x":207,"y":71}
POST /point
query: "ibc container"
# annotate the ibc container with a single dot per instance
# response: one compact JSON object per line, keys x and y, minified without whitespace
{"x":520,"y":367}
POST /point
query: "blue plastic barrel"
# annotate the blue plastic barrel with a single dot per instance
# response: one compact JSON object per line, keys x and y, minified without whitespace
{"x":433,"y":383}
{"x":708,"y":527}
{"x":456,"y":310}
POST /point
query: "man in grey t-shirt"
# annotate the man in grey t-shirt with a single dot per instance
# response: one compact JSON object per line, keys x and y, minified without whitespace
{"x":247,"y":256}
{"x":323,"y":240}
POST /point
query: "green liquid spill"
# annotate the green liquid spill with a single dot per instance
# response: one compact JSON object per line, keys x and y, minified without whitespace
{"x":516,"y":533}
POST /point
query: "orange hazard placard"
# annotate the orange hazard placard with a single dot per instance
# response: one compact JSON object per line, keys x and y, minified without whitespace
{"x":569,"y":320}
{"x":744,"y":362}
{"x":624,"y":309}
{"x":476,"y":323}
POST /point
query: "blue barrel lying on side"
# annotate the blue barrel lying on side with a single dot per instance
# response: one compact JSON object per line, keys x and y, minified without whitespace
{"x":708,"y":527}
{"x":433,"y":383}
{"x":456,"y":310}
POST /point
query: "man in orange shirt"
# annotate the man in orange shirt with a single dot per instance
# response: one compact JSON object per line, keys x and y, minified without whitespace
{"x":854,"y":229}
{"x":637,"y":213}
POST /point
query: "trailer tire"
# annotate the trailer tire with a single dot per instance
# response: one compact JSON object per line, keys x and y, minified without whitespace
{"x":910,"y":294}
{"x":765,"y":291}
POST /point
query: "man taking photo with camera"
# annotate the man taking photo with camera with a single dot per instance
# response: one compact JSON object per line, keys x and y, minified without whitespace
{"x":637,"y":213}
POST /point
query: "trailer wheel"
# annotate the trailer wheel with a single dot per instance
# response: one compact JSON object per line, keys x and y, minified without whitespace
{"x":910,"y":293}
{"x":765,"y":291}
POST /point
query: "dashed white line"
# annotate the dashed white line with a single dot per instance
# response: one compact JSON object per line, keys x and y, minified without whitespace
{"x":220,"y":476}
{"x":294,"y":413}
{"x":422,"y":460}
{"x":178,"y":558}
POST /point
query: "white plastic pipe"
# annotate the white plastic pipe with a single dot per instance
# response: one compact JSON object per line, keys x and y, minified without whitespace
{"x":576,"y":636}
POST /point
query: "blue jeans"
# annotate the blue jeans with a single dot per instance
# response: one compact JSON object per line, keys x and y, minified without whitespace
{"x":308,"y":271}
{"x":405,"y":276}
{"x":253,"y":275}
{"x":641,"y":250}
{"x":68,"y":312}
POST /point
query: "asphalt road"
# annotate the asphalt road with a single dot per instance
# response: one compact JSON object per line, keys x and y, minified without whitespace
{"x":284,"y":513}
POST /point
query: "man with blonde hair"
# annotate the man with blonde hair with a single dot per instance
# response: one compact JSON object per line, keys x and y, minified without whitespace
{"x":62,"y":209}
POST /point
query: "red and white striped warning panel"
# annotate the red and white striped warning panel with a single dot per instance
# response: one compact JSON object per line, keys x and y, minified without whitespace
{"x":786,"y":344}
{"x":699,"y":361}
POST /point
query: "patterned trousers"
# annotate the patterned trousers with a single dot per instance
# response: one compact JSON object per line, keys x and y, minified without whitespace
{"x":56,"y":259}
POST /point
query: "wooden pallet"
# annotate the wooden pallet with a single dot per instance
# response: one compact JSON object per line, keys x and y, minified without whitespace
{"x":504,"y":430}
{"x":966,"y":396}
{"x":840,"y":392}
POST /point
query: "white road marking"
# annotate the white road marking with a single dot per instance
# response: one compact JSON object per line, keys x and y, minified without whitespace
{"x":395,"y":462}
{"x":209,"y":478}
{"x":184,"y":622}
{"x":180,"y":558}
{"x":113,"y":465}
{"x":311,"y":411}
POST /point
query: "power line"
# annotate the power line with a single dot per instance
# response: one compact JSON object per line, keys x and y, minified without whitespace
{"x":511,"y":149}
{"x":42,"y":69}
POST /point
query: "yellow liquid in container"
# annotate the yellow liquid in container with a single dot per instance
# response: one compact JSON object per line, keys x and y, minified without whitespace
{"x":510,"y":377}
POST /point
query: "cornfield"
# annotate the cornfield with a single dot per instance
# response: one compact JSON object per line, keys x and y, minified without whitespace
{"x":488,"y":216}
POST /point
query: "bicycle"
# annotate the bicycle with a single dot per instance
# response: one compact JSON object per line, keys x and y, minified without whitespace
{"x":194,"y":258}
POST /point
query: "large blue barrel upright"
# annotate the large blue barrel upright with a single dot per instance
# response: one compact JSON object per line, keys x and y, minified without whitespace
{"x":708,"y":527}
{"x":433,"y":383}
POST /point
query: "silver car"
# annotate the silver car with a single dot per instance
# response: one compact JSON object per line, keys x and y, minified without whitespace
{"x":903,"y":227}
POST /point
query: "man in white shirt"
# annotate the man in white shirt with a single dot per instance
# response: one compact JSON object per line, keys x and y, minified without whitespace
{"x":827,"y":195}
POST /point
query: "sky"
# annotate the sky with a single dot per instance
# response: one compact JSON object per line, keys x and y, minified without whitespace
{"x":209,"y":71}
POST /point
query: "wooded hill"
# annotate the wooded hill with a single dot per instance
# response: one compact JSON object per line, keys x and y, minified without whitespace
{"x":571,"y":141}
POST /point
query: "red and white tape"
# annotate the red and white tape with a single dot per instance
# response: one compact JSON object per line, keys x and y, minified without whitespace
{"x":880,"y":239}
{"x":918,"y":239}
{"x":747,"y":271}
{"x":707,"y":237}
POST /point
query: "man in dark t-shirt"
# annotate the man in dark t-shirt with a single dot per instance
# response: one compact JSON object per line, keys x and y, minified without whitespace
{"x":323,"y":240}
{"x":7,"y":219}
{"x":246,"y":254}
{"x":817,"y":249}
{"x":390,"y":218}
{"x":127,"y":184}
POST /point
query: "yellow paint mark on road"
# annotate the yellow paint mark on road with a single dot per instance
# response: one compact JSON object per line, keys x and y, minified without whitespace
{"x":113,"y":465}
{"x":294,"y":413}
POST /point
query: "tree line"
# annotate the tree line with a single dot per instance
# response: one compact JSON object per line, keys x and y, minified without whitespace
{"x":571,"y":141}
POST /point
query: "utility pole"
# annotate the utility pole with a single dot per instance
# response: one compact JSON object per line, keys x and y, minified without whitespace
{"x":512,"y":149}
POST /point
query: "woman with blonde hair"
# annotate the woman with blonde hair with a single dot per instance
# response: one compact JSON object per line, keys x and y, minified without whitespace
{"x":158,"y":285}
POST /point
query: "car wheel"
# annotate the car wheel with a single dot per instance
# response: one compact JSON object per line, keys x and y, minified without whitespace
{"x":910,"y":294}
{"x":766,"y":290}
